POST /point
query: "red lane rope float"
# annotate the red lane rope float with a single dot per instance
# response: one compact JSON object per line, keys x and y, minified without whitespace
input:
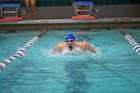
{"x":21,"y":51}
{"x":11,"y":19}
{"x":83,"y":17}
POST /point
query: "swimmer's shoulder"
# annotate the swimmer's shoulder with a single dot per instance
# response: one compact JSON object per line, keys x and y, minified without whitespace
{"x":81,"y":43}
{"x":60,"y":45}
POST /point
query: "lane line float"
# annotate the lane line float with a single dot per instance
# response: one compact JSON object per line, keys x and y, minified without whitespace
{"x":131,"y":40}
{"x":21,"y":51}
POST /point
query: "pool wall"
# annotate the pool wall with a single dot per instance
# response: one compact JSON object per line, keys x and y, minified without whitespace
{"x":58,"y":24}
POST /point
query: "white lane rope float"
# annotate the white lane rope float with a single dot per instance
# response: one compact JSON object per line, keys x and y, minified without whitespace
{"x":21,"y":51}
{"x":136,"y":46}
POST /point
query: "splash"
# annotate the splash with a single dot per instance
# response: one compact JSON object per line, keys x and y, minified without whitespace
{"x":76,"y":54}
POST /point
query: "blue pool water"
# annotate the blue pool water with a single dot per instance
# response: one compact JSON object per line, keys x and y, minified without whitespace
{"x":114,"y":69}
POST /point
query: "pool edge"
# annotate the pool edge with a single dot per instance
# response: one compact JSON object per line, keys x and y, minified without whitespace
{"x":58,"y":24}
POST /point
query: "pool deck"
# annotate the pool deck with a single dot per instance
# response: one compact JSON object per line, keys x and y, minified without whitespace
{"x":52,"y":24}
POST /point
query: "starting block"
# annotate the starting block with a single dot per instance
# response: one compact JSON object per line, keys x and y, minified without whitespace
{"x":87,"y":7}
{"x":10,"y":10}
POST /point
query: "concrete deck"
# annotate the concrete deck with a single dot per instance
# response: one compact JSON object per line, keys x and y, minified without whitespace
{"x":122,"y":22}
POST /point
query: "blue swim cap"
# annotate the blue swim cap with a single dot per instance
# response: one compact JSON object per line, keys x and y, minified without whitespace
{"x":70,"y":36}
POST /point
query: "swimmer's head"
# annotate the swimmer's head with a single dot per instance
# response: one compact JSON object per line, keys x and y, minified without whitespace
{"x":69,"y":37}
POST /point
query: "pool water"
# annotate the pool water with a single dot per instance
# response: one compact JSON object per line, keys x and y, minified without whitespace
{"x":115,"y":68}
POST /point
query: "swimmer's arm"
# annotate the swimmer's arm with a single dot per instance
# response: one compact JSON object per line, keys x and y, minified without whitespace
{"x":54,"y":50}
{"x":57,"y":49}
{"x":89,"y":47}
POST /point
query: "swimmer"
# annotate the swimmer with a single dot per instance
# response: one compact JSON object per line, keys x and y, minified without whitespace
{"x":71,"y":45}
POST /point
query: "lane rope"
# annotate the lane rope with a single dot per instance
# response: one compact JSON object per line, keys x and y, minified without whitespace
{"x":21,"y":51}
{"x":131,"y":40}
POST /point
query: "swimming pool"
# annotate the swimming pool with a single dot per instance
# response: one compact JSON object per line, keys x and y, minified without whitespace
{"x":114,"y":69}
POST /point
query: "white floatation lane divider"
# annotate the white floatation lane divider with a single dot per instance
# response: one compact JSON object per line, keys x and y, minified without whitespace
{"x":21,"y":51}
{"x":136,"y":46}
